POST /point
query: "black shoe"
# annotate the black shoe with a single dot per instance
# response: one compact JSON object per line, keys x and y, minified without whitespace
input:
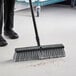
{"x":11,"y":34}
{"x":2,"y":41}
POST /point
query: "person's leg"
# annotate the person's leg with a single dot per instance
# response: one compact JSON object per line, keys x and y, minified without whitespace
{"x":9,"y":19}
{"x":2,"y":40}
{"x":8,"y":14}
{"x":73,"y":3}
{"x":1,"y":15}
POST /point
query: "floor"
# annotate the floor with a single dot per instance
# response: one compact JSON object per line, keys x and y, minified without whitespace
{"x":56,"y":24}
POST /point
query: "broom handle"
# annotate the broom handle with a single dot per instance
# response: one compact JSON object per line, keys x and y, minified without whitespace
{"x":34,"y":23}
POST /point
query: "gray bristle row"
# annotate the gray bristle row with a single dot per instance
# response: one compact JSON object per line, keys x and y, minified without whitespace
{"x":38,"y":55}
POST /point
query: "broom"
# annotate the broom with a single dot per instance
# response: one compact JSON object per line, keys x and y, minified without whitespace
{"x":38,"y":52}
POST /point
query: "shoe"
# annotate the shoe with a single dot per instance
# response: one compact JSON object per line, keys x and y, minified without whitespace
{"x":2,"y":41}
{"x":11,"y":34}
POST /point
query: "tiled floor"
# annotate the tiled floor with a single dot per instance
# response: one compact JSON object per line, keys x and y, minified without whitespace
{"x":56,"y":24}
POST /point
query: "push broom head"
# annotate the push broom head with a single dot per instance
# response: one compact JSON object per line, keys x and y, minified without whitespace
{"x":39,"y":53}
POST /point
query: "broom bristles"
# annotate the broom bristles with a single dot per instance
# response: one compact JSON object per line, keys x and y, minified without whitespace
{"x":38,"y":53}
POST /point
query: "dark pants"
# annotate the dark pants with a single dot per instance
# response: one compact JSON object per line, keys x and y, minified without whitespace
{"x":73,"y":2}
{"x":8,"y":14}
